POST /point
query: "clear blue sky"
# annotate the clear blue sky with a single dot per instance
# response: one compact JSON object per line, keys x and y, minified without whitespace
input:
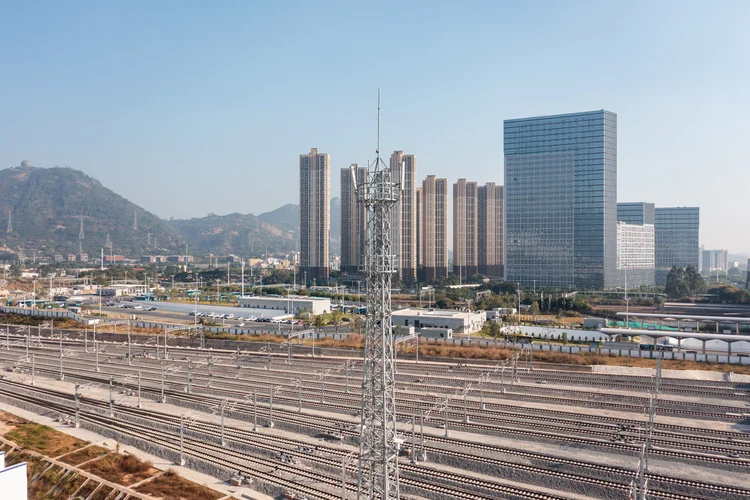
{"x":188,"y":108}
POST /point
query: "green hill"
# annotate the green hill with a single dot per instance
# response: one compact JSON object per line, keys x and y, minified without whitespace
{"x":47,"y":205}
{"x":239,"y":234}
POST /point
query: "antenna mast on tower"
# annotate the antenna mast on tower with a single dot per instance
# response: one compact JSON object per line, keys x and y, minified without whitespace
{"x":10,"y":222}
{"x":135,"y":220}
{"x":378,"y":459}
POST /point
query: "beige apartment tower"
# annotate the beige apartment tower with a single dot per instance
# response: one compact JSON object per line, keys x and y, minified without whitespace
{"x":419,"y":233}
{"x":404,"y":222}
{"x":434,"y":201}
{"x":465,"y":236}
{"x":352,"y":220}
{"x":315,"y":217}
{"x":490,"y":242}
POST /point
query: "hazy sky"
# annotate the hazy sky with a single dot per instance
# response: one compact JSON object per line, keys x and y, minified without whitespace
{"x":188,"y":108}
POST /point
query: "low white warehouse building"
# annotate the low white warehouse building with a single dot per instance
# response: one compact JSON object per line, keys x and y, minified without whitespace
{"x":291,"y":304}
{"x":458,"y":321}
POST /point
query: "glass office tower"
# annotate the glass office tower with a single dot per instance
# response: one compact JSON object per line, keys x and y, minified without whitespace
{"x":676,"y":232}
{"x":636,"y":213}
{"x":538,"y":215}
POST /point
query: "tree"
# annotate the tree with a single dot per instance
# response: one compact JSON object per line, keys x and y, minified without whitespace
{"x":337,"y":319}
{"x":694,"y":281}
{"x":684,"y":283}
{"x":564,"y":337}
{"x":319,"y":322}
{"x":534,"y":309}
{"x":356,"y":324}
{"x":676,"y":286}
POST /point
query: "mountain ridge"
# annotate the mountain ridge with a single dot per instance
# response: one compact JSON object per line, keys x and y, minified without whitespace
{"x":47,"y":205}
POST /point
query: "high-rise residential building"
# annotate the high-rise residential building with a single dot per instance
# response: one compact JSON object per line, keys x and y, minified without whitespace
{"x":465,"y":229}
{"x":409,"y":220}
{"x":434,"y":228}
{"x":315,"y":216}
{"x":676,"y":232}
{"x":490,"y":230}
{"x":352,"y":219}
{"x":561,"y":200}
{"x":635,"y":254}
{"x":404,"y":214}
{"x":419,"y":225}
{"x":636,"y":213}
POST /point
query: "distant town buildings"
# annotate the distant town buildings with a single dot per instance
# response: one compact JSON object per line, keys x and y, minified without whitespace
{"x":676,"y":233}
{"x":714,"y":260}
{"x":561,"y":200}
{"x":315,"y":220}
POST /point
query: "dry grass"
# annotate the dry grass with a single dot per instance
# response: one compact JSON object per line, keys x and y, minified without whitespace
{"x":40,"y":438}
{"x":173,"y":487}
{"x":120,"y":469}
{"x":84,"y":455}
{"x":18,"y":319}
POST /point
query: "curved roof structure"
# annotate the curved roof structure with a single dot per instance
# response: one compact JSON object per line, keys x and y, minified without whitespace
{"x":672,"y":317}
{"x":656,"y":334}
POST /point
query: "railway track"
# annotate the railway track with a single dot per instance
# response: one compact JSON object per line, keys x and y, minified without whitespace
{"x":487,"y":421}
{"x":724,"y":389}
{"x":298,"y":449}
{"x":714,"y":412}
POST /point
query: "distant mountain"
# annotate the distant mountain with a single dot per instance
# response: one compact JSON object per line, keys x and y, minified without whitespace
{"x":286,"y":217}
{"x":47,"y":205}
{"x":245,"y":235}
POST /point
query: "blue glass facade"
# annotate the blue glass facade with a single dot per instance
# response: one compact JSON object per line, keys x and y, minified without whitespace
{"x":676,"y":234}
{"x":591,"y":140}
{"x":636,"y":213}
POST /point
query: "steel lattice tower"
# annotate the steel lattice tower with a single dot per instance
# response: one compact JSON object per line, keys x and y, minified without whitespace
{"x":378,"y":459}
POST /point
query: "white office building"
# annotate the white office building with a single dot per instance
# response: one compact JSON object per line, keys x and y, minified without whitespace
{"x":636,"y":258}
{"x":458,"y":321}
{"x":291,"y":304}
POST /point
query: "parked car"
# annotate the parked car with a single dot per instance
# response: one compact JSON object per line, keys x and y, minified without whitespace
{"x":150,"y":308}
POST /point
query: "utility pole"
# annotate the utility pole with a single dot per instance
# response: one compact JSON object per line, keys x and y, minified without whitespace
{"x":139,"y":388}
{"x":182,"y":440}
{"x":639,"y":485}
{"x":378,"y":459}
{"x":223,"y":403}
{"x":78,"y":406}
{"x":519,"y":303}
{"x":62,"y":376}
{"x":111,"y":398}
